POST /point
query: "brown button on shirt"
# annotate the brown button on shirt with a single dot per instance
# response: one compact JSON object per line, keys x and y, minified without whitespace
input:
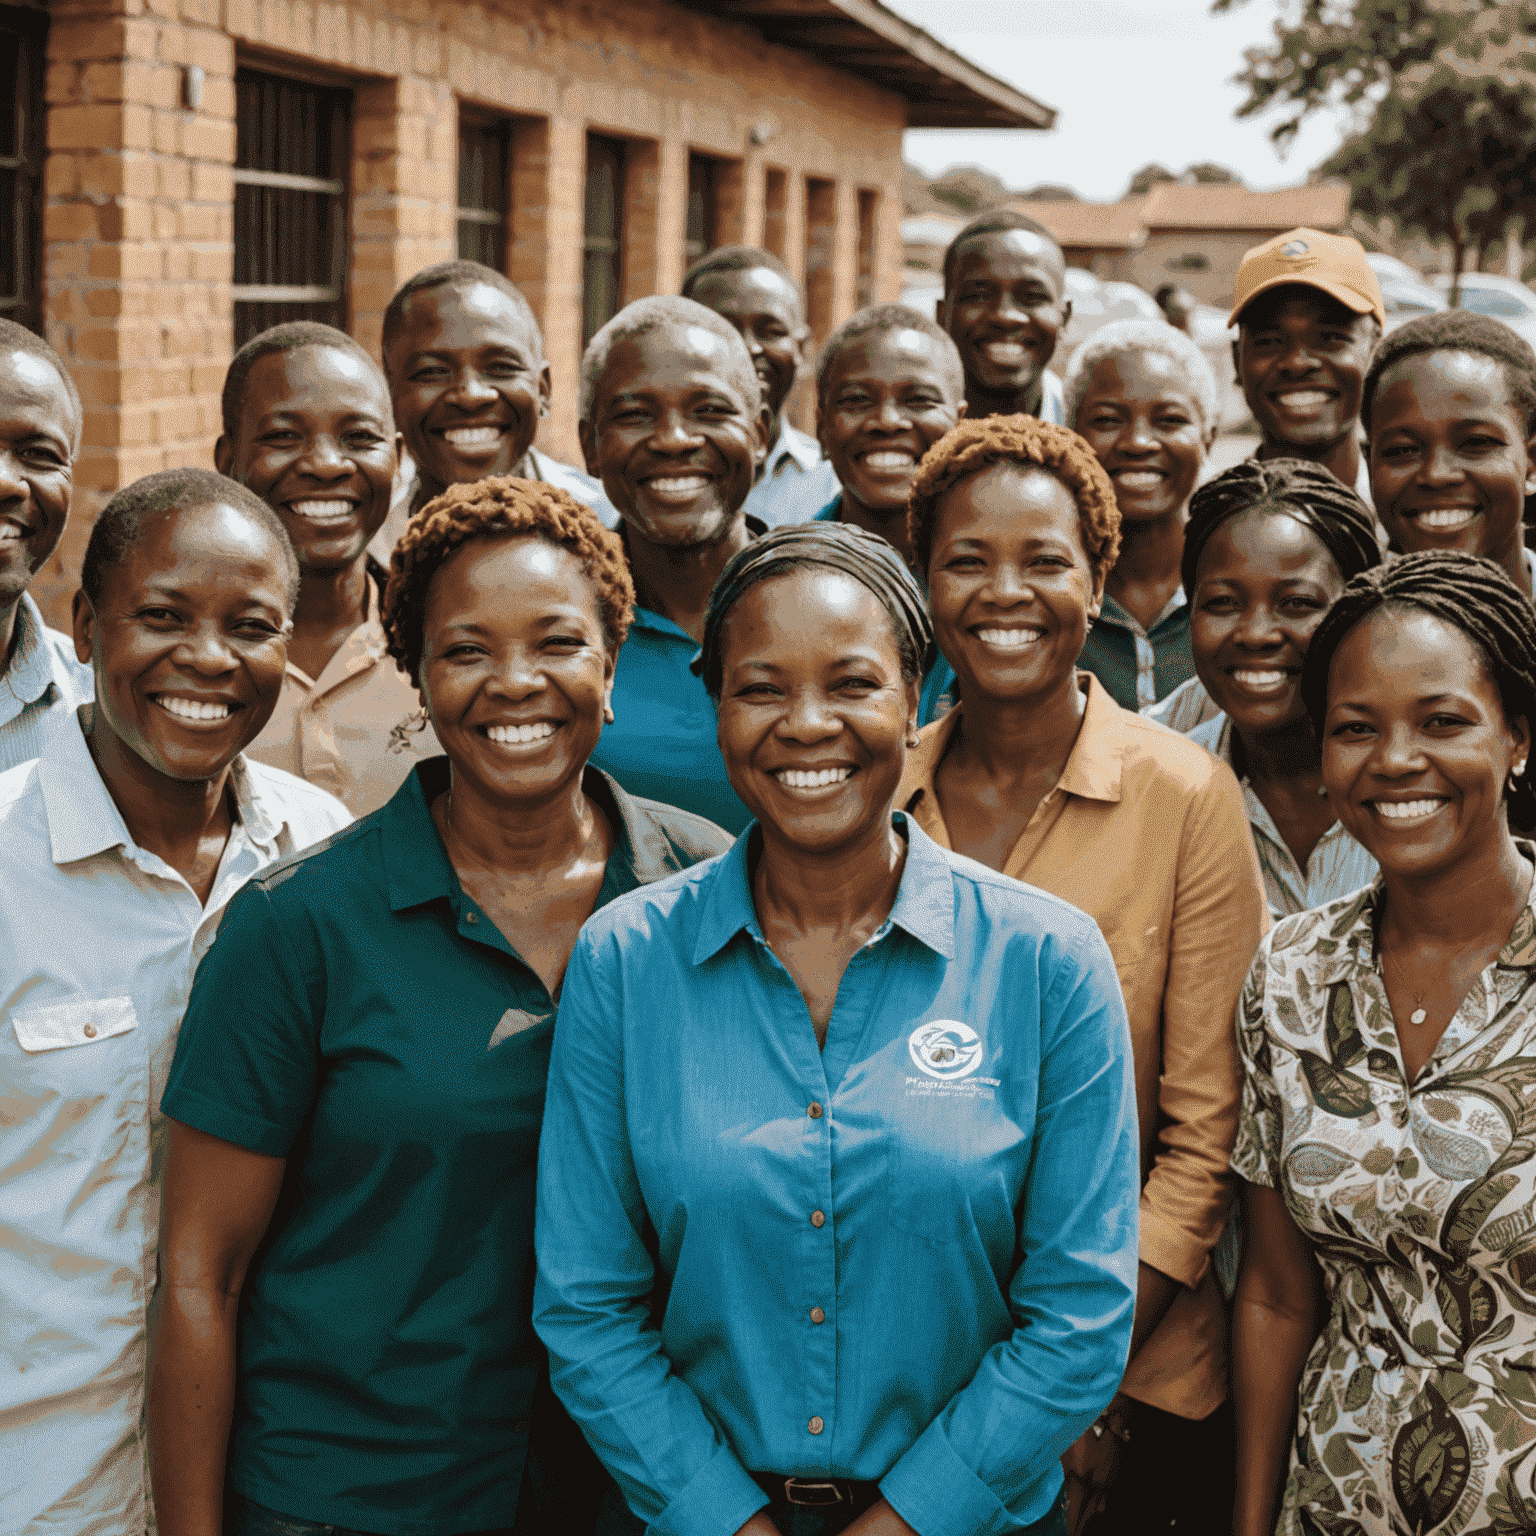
{"x":357,"y":730}
{"x":1146,"y":832}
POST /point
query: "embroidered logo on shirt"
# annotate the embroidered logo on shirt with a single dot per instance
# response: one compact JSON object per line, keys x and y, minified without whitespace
{"x":513,"y":1022}
{"x":945,"y":1048}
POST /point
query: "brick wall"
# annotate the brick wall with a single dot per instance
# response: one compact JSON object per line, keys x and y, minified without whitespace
{"x":139,"y":188}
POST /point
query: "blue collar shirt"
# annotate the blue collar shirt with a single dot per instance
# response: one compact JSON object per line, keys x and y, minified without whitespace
{"x":40,"y":687}
{"x":794,"y":482}
{"x":909,"y":1256}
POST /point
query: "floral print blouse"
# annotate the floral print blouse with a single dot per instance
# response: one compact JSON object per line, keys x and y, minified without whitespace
{"x":1418,"y":1400}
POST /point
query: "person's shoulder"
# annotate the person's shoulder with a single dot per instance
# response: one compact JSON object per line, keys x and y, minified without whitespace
{"x":1323,"y":931}
{"x":309,"y":812}
{"x":1022,"y":907}
{"x":67,"y":666}
{"x":20,"y":790}
{"x":693,"y":837}
{"x":1156,"y":754}
{"x":644,"y":911}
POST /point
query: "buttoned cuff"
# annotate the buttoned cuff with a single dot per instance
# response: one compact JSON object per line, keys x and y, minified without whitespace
{"x":1171,"y":1251}
{"x":719,"y":1499}
{"x":938,"y":1494}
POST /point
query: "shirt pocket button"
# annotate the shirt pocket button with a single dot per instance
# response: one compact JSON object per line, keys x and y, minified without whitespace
{"x":90,"y":1031}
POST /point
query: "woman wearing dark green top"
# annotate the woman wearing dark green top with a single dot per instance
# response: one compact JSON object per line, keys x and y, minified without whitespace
{"x":357,"y":1095}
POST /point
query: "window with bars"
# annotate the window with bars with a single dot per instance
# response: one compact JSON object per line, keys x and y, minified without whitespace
{"x":603,"y":234}
{"x":22,"y":36}
{"x":484,"y":184}
{"x":291,"y":153}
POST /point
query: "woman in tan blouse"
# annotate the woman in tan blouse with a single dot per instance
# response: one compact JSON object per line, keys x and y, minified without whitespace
{"x":1042,"y":775}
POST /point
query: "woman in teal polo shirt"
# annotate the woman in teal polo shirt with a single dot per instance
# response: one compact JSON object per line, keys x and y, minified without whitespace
{"x":837,"y":1214}
{"x":358,"y":1090}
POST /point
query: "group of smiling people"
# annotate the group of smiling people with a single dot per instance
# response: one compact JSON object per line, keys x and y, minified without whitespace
{"x":786,"y":1045}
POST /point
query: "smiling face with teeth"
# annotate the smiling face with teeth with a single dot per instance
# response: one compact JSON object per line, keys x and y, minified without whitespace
{"x":515,"y":672}
{"x":317,"y":443}
{"x":1011,"y":587}
{"x":1451,"y":459}
{"x":469,"y":380}
{"x":676,"y":431}
{"x":1301,"y":359}
{"x":1416,"y":746}
{"x":886,"y":398}
{"x":188,"y":644}
{"x":1263,"y":585}
{"x":814,"y":711}
{"x":38,"y":432}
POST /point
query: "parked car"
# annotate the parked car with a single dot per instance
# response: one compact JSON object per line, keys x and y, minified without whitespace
{"x":1505,"y":298}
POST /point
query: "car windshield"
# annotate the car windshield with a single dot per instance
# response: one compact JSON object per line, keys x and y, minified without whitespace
{"x":1493,"y":301}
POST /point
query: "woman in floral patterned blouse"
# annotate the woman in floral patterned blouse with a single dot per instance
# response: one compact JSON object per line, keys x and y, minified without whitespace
{"x":1388,"y":1136}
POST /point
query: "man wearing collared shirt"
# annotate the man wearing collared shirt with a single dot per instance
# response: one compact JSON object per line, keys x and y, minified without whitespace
{"x":119,"y":848}
{"x":754,"y":290}
{"x":40,"y":680}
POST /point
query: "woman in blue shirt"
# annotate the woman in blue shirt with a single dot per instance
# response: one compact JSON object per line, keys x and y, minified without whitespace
{"x":359,"y":1082}
{"x":837,"y":1227}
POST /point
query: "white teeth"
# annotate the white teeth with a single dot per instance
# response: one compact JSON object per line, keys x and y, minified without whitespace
{"x":677,"y":487}
{"x":1010,"y":639}
{"x":1304,"y":399}
{"x":1255,"y":679}
{"x":1448,"y":517}
{"x":1004,"y":351}
{"x":818,"y":778}
{"x":322,"y":511}
{"x":518,"y":735}
{"x":888,"y":459}
{"x":11,"y":531}
{"x":1407,"y":810}
{"x":472,"y":437}
{"x":1139,"y":479}
{"x":194,"y":709}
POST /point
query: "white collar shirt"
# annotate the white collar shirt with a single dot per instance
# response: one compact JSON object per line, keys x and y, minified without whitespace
{"x":795,"y":482}
{"x":39,"y":688}
{"x":1337,"y":866}
{"x":99,"y":939}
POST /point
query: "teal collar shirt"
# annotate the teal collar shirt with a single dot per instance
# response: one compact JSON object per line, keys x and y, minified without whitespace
{"x":909,"y":1256}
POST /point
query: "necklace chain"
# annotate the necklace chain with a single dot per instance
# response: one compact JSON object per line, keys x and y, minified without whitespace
{"x":1420,"y":1013}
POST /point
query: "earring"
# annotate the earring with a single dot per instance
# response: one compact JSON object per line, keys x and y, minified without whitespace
{"x":607,"y":714}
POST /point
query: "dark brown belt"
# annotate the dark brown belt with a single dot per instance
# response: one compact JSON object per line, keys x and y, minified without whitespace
{"x":818,"y":1492}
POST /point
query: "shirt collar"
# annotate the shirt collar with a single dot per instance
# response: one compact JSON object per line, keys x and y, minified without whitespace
{"x":83,"y":818}
{"x":792,"y":444}
{"x":31,"y":670}
{"x":417,"y":868}
{"x":648,"y":618}
{"x":1112,"y":613}
{"x":924,"y":906}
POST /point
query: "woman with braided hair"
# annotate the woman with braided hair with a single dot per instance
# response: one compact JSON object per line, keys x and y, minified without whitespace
{"x":351,"y":1174}
{"x":1040,"y":774}
{"x":1385,"y":1316}
{"x":1269,"y":545}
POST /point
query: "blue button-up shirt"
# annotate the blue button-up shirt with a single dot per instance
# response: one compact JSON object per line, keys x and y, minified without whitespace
{"x":39,"y":688}
{"x":794,"y":481}
{"x":908,"y":1256}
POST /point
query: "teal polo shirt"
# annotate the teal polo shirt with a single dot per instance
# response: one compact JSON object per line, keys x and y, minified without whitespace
{"x":941,"y":689}
{"x":361,"y":1016}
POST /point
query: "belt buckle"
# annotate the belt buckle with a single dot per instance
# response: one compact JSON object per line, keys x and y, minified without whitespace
{"x":812,"y":1491}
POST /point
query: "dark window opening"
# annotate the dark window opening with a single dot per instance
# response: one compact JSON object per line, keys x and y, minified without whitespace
{"x":291,"y":153}
{"x":702,"y":233}
{"x":484,"y":188}
{"x":22,"y":36}
{"x":820,"y":239}
{"x":775,"y":206}
{"x":603,"y":237}
{"x":868,"y":202}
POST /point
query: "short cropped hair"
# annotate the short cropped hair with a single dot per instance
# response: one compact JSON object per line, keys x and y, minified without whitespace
{"x":1459,"y":330}
{"x":17,"y":338}
{"x":881,"y":320}
{"x":997,"y":222}
{"x":974,"y":445}
{"x":653,"y":314}
{"x":1154,"y":336}
{"x":738,"y":258}
{"x":500,"y":507}
{"x":459,"y":274}
{"x":123,"y":521}
{"x":289,"y":337}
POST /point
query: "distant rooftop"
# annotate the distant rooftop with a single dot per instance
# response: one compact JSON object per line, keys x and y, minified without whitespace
{"x":1172,"y":205}
{"x":1116,"y":226}
{"x":942,"y":89}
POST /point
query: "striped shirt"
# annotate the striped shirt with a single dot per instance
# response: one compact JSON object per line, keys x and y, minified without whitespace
{"x":40,"y":687}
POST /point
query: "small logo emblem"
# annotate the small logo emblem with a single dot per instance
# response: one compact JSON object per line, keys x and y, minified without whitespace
{"x":1295,"y":248}
{"x":945,"y":1048}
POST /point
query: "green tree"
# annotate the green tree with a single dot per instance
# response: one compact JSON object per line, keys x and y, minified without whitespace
{"x":1446,"y":90}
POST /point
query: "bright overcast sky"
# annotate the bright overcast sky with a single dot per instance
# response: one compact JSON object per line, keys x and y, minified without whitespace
{"x":1131,"y":81}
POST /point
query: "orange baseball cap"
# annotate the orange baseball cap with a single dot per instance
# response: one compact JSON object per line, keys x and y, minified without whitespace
{"x":1334,"y":263}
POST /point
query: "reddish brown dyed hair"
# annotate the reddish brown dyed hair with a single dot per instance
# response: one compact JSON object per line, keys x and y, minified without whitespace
{"x":972,"y":446}
{"x":501,"y":507}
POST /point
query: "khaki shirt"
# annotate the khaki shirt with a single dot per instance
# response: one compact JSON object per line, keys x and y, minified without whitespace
{"x":356,"y":730}
{"x":1147,"y":833}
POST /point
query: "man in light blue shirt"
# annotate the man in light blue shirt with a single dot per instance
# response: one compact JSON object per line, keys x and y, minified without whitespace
{"x":908,"y":1258}
{"x":40,"y":680}
{"x":754,"y":290}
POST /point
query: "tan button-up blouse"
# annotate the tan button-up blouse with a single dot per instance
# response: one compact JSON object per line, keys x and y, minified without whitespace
{"x":1147,"y":833}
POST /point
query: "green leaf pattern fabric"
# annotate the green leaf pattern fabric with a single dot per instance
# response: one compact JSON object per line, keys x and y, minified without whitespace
{"x":1417,"y":1405}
